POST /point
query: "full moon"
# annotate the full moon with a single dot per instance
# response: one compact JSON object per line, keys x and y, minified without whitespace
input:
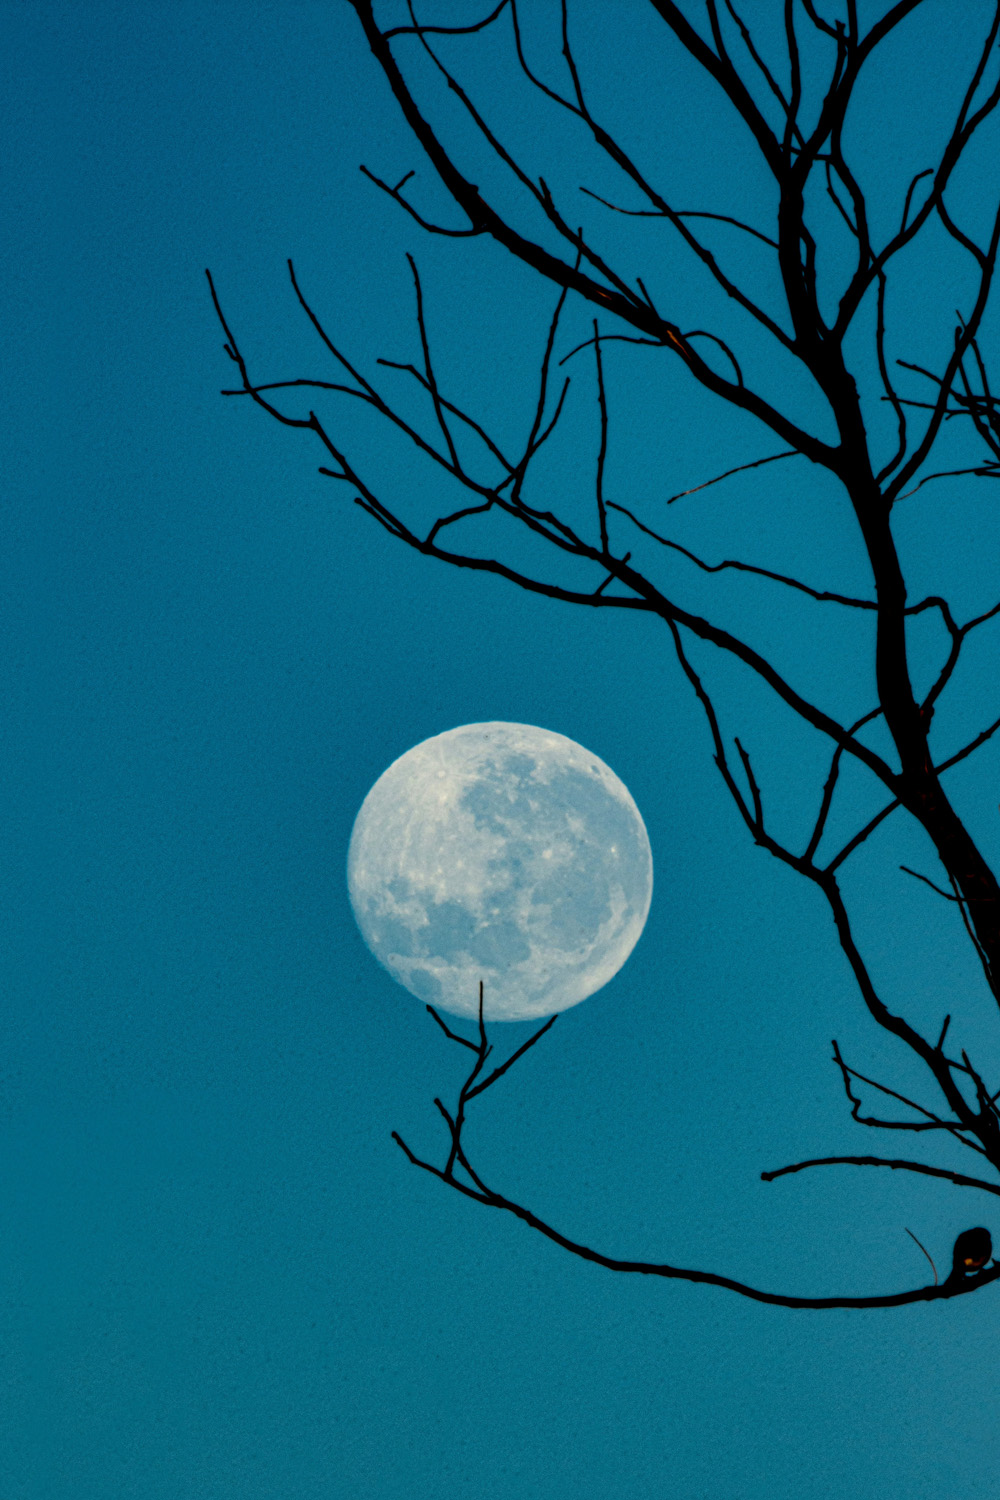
{"x":503,"y":853}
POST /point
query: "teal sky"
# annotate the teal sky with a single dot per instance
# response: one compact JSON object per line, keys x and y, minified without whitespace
{"x":219,"y":1279}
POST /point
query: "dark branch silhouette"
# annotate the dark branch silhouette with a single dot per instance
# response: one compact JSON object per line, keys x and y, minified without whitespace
{"x":837,"y":274}
{"x":971,"y":1271}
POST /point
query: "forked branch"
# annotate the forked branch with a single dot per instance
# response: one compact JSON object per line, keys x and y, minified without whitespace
{"x":474,"y":1186}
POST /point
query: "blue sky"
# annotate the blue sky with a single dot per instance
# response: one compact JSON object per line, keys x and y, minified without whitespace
{"x":218,"y":1276}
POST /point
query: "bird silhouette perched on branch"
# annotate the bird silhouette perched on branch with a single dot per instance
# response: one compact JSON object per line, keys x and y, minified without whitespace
{"x":972,"y":1252}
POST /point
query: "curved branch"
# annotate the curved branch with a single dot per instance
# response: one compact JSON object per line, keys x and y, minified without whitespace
{"x":479,"y":1192}
{"x":682,"y":213}
{"x":822,"y":595}
{"x":718,"y":65}
{"x":739,"y":469}
{"x":491,"y":1199}
{"x":447,"y":30}
{"x":958,"y":1178}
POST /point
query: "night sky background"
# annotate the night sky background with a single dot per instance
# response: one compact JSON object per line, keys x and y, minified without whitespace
{"x":219,"y":1278}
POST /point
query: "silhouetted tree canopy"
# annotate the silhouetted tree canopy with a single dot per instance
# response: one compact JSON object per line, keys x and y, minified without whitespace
{"x":808,"y":334}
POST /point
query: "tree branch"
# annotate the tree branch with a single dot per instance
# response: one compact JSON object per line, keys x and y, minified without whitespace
{"x":957,"y":1178}
{"x":638,"y":314}
{"x":479,"y":1192}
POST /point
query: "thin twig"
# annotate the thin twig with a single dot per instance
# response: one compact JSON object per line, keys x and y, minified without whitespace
{"x":922,"y":1248}
{"x":739,"y":469}
{"x":603,"y":448}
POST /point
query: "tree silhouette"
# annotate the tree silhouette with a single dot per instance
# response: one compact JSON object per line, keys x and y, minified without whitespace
{"x":809,"y":312}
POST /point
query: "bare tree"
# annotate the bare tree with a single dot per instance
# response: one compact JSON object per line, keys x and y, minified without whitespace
{"x":836,"y":274}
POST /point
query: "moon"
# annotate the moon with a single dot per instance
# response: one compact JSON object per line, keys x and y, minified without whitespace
{"x":503,"y":853}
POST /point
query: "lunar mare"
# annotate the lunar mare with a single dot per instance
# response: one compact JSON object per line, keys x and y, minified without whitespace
{"x":503,"y":853}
